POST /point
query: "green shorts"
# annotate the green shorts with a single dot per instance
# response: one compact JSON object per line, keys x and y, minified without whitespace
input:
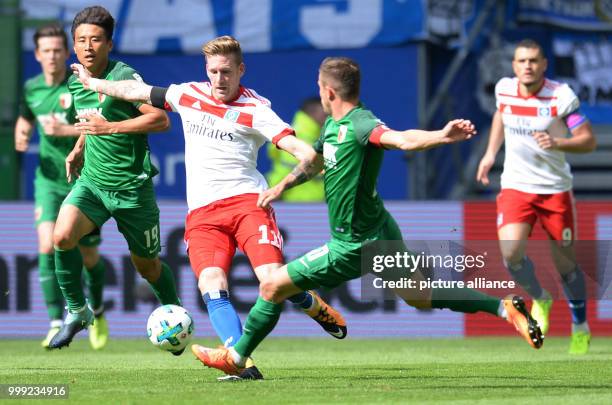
{"x":337,"y":261}
{"x":48,"y":199}
{"x":135,"y":212}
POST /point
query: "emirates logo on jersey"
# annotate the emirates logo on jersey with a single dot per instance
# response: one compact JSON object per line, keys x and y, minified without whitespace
{"x":342,"y":133}
{"x":65,"y":100}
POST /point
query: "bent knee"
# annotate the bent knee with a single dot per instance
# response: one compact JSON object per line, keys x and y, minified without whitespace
{"x":212,"y":278}
{"x":46,"y":248}
{"x":513,"y":256}
{"x":63,"y":239}
{"x":269,"y":290}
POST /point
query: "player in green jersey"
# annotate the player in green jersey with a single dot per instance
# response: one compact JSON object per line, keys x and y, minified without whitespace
{"x":116,"y":179}
{"x":351,"y":149}
{"x":47,"y":104}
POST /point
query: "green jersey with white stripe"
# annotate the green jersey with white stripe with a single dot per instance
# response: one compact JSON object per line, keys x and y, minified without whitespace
{"x":352,"y":165}
{"x":45,"y":103}
{"x":117,"y":161}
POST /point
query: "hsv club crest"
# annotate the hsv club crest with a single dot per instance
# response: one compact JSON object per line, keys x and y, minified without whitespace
{"x":231,"y":115}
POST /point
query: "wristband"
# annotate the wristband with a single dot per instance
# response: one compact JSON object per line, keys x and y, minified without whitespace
{"x":93,"y":84}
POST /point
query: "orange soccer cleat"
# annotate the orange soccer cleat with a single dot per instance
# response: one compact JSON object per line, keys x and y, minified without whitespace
{"x":220,"y":358}
{"x":523,"y":321}
{"x":330,"y":320}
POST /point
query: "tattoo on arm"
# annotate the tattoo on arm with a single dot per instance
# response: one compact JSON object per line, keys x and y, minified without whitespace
{"x":303,"y":172}
{"x":130,"y":90}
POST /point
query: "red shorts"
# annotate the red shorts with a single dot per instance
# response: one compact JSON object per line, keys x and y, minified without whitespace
{"x":212,"y":233}
{"x":556,"y":212}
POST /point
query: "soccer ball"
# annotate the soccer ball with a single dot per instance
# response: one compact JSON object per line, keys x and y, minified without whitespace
{"x":170,"y":328}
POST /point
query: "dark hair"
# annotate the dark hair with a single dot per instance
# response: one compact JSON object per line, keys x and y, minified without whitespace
{"x":52,"y":30}
{"x":95,"y":15}
{"x":343,"y":75}
{"x":530,"y":44}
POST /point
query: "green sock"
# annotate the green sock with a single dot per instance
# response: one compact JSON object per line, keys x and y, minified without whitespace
{"x":165,"y":288}
{"x":94,"y":280}
{"x":68,"y":268}
{"x":50,"y":287}
{"x":260,"y":322}
{"x":464,"y":300}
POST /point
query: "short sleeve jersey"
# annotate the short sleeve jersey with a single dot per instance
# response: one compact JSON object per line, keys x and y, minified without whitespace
{"x":222,"y":140}
{"x":527,"y":167}
{"x":117,"y":161}
{"x":44,"y":103}
{"x":352,"y":164}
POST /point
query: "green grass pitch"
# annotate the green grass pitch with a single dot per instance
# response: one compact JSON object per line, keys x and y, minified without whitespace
{"x":487,"y":370}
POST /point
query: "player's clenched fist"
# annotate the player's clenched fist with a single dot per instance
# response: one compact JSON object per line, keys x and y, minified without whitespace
{"x":544,"y":140}
{"x":22,"y":140}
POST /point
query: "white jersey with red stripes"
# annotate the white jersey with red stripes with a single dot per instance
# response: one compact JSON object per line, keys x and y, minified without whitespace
{"x":222,"y":140}
{"x":527,"y":167}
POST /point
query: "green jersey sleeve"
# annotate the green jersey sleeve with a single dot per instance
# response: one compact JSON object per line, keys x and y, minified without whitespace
{"x":363,"y":123}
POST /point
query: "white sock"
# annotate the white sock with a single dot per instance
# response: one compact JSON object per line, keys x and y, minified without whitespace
{"x":238,"y":359}
{"x":501,"y":310}
{"x":56,"y":323}
{"x":78,"y":311}
{"x":581,"y":327}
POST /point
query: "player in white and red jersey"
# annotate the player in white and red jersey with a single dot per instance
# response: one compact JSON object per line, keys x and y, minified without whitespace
{"x":533,"y":116}
{"x":225,"y":124}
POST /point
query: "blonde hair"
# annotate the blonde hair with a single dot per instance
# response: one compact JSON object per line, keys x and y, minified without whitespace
{"x":224,"y":45}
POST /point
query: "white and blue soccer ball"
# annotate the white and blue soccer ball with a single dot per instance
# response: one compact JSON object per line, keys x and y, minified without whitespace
{"x":170,"y":328}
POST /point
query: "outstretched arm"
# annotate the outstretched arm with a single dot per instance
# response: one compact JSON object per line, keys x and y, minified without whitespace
{"x":151,"y":120}
{"x":416,"y":139}
{"x":310,"y":164}
{"x":129,"y":90}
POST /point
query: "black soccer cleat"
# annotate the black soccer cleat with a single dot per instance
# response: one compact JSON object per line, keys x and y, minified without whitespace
{"x":249,"y":373}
